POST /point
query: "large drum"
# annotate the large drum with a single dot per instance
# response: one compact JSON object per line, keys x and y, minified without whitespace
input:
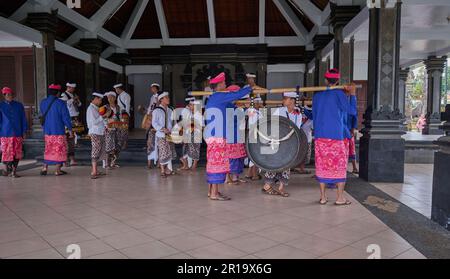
{"x":276,"y":144}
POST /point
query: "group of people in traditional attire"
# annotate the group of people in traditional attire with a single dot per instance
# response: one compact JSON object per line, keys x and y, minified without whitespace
{"x":332,"y":121}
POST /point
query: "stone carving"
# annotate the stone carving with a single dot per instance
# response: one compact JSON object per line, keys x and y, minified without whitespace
{"x":386,"y":113}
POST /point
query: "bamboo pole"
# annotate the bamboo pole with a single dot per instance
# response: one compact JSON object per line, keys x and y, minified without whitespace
{"x":277,"y":90}
{"x":270,"y":102}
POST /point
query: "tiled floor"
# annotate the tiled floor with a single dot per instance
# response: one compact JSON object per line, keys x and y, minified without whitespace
{"x":133,"y":213}
{"x":417,"y":189}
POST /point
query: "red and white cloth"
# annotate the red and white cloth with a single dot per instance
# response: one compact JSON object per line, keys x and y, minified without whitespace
{"x":11,"y":149}
{"x":331,"y":160}
{"x":217,"y":158}
{"x":55,"y":149}
{"x":236,"y":151}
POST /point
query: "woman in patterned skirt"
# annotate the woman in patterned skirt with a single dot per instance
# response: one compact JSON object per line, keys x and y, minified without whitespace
{"x":111,"y":131}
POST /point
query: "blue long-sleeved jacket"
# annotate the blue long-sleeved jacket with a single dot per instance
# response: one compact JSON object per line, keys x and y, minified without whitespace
{"x":330,"y":110}
{"x":13,"y":122}
{"x":58,"y":117}
{"x":218,"y":103}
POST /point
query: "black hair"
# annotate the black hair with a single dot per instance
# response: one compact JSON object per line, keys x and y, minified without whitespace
{"x":52,"y":92}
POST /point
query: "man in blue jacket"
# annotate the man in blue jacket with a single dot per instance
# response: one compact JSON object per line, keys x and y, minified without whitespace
{"x":216,"y":134}
{"x":331,"y":135}
{"x":56,"y":119}
{"x":13,"y":126}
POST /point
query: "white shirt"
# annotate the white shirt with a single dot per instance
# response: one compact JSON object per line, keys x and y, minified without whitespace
{"x":253,"y":116}
{"x":153,"y":103}
{"x":296,"y":118}
{"x":307,"y":128}
{"x":69,"y":99}
{"x":159,"y":120}
{"x":186,"y":115}
{"x":95,"y":122}
{"x":124,"y":102}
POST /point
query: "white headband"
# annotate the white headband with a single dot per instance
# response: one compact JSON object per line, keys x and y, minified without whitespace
{"x":162,"y":95}
{"x":250,"y":75}
{"x":190,"y":99}
{"x":155,"y":85}
{"x":111,"y":94}
{"x":290,"y":94}
{"x":73,"y":85}
{"x":118,"y":85}
{"x":98,"y":95}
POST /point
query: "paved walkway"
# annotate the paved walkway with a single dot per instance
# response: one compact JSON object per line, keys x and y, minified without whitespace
{"x":416,"y":191}
{"x":133,"y":213}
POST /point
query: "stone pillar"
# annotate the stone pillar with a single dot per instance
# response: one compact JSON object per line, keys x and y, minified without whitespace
{"x":92,"y":70}
{"x":44,"y":61}
{"x":403,"y":77}
{"x":319,"y":42}
{"x":440,"y":205}
{"x":435,"y":68}
{"x":382,"y":149}
{"x":47,"y":24}
{"x":339,"y":17}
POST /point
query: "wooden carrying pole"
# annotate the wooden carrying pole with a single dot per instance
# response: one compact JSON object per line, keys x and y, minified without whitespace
{"x":278,"y":90}
{"x":269,"y":102}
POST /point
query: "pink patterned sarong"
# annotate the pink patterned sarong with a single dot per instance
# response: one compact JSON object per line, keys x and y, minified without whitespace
{"x":331,"y":160}
{"x":11,"y":149}
{"x":217,"y":158}
{"x":352,"y":149}
{"x":236,"y":150}
{"x":55,"y":149}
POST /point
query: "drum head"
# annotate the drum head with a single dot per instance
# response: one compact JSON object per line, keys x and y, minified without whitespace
{"x":276,"y":153}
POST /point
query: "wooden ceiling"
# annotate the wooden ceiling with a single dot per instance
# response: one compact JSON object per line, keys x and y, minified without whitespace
{"x":7,"y":8}
{"x":187,"y":19}
{"x":148,"y":26}
{"x":276,"y":24}
{"x":321,"y":4}
{"x":236,"y":18}
{"x":117,"y":23}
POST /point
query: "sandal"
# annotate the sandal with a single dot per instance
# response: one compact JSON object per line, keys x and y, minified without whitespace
{"x":60,"y":173}
{"x":219,"y":198}
{"x":355,"y":172}
{"x":163,"y":175}
{"x":43,"y":172}
{"x":323,"y":202}
{"x":271,"y":192}
{"x":94,"y":176}
{"x":347,"y":202}
{"x":242,"y":181}
{"x":258,"y":177}
{"x":284,"y":194}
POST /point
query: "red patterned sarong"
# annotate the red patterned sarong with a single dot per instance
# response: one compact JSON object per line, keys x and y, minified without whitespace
{"x":11,"y":149}
{"x":216,"y":154}
{"x":236,"y":150}
{"x":331,"y":160}
{"x":55,"y":149}
{"x":352,"y":149}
